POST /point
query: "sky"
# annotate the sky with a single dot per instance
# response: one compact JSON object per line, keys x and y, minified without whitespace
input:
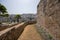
{"x":20,"y":6}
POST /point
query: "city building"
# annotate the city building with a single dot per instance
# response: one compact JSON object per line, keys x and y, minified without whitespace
{"x":24,"y":18}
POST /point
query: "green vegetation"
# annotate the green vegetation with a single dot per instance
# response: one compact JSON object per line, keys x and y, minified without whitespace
{"x":6,"y":15}
{"x":50,"y":37}
{"x":17,"y":17}
{"x":3,"y":9}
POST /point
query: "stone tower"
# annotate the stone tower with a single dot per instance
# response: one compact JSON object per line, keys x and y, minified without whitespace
{"x":48,"y":19}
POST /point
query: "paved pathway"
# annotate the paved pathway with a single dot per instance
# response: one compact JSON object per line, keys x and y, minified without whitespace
{"x":30,"y":33}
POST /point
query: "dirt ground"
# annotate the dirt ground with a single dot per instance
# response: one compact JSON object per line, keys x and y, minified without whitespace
{"x":30,"y":33}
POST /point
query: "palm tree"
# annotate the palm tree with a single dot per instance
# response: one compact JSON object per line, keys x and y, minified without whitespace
{"x":3,"y":9}
{"x":18,"y":17}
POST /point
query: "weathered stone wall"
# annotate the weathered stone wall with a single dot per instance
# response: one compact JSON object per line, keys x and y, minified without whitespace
{"x":7,"y":26}
{"x":48,"y":19}
{"x":13,"y":34}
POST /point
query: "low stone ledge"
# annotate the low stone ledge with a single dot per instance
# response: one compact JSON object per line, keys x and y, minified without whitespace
{"x":13,"y":34}
{"x":7,"y":26}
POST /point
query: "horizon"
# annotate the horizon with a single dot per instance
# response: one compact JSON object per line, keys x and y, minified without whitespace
{"x":20,"y":6}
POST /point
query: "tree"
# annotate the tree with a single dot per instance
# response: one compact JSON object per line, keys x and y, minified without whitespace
{"x":3,"y":9}
{"x":6,"y":15}
{"x":18,"y":17}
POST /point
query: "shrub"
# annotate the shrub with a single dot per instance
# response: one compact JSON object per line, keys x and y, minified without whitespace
{"x":50,"y":37}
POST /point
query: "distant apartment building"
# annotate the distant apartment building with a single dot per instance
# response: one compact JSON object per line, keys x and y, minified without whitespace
{"x":24,"y":17}
{"x":28,"y":17}
{"x":3,"y":19}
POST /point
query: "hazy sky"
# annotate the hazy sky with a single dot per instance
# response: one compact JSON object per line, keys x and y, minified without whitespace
{"x":20,"y":6}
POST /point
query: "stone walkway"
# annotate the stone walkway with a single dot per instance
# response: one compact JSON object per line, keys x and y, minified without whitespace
{"x":30,"y":33}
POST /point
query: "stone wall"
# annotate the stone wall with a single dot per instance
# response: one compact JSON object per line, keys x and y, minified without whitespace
{"x":14,"y":33}
{"x":48,"y":19}
{"x":2,"y":27}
